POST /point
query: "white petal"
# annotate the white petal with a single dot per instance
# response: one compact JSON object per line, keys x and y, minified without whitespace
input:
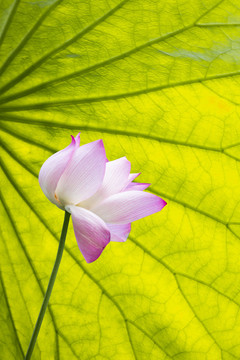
{"x":91,"y":232}
{"x":115,"y":179}
{"x":53,"y":168}
{"x":83,"y":175}
{"x":128,"y":206}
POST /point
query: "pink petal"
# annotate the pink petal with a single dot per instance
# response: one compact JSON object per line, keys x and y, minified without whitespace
{"x":115,"y":179}
{"x":119,"y":232}
{"x":133,"y":176}
{"x":77,"y":140}
{"x":53,"y":168}
{"x":84,"y":174}
{"x":136,"y":186}
{"x":128,"y":206}
{"x":91,"y":232}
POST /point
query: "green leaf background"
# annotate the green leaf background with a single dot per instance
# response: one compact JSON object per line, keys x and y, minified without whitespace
{"x":158,"y":81}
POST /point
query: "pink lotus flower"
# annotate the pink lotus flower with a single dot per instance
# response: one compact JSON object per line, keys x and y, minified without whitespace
{"x":99,"y":194}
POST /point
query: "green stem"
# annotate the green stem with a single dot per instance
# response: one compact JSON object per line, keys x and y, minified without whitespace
{"x":50,"y":286}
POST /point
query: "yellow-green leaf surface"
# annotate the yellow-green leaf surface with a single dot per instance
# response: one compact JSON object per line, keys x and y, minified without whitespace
{"x":159,"y":82}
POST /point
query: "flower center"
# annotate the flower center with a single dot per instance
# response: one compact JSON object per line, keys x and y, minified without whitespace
{"x":57,"y":199}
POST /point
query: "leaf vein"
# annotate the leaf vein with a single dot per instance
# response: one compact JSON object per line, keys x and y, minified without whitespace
{"x":42,"y":60}
{"x":197,"y":317}
{"x":13,"y":118}
{"x":28,"y":36}
{"x":10,"y":315}
{"x":44,"y":105}
{"x":9,"y":20}
{"x":33,"y":270}
{"x":16,"y":187}
{"x":34,"y":66}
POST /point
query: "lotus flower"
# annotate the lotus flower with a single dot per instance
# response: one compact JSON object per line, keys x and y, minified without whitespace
{"x":99,"y":194}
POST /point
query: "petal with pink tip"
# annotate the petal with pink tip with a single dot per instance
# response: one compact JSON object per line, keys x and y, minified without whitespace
{"x":133,"y":176}
{"x":115,"y":179}
{"x":136,"y":186}
{"x":91,"y":232}
{"x":119,"y":232}
{"x":77,"y":140}
{"x":128,"y":206}
{"x":53,"y":168}
{"x":84,"y":174}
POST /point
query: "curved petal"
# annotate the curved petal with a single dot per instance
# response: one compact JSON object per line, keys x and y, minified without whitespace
{"x":91,"y":232}
{"x":128,"y":206}
{"x":119,"y":232}
{"x":136,"y":186}
{"x":84,"y":174}
{"x":115,"y":179}
{"x":53,"y":168}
